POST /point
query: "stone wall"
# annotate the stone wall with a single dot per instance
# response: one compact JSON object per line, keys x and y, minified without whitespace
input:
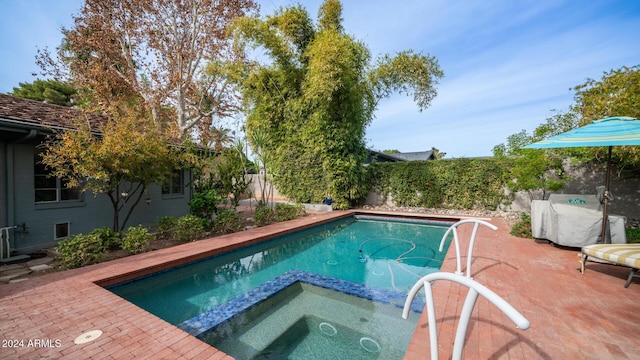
{"x":625,"y":191}
{"x":254,"y":187}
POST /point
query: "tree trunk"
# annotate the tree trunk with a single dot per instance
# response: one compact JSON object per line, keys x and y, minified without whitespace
{"x":141,"y":189}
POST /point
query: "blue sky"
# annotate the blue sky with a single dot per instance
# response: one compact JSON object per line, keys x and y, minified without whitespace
{"x":507,"y":63}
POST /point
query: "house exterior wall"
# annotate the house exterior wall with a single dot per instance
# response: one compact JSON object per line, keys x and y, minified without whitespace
{"x":90,"y":212}
{"x":3,"y":184}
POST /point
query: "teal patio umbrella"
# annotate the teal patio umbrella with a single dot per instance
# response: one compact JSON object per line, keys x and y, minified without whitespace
{"x":610,"y":132}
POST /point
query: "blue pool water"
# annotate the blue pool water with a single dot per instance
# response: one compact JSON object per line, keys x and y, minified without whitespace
{"x":368,"y":253}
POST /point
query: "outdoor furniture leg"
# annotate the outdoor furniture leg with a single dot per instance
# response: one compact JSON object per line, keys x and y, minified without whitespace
{"x":631,"y":275}
{"x":584,"y":261}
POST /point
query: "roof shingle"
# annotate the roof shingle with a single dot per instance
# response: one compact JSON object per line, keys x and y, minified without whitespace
{"x":31,"y":112}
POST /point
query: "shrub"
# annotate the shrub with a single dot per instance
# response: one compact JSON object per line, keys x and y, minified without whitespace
{"x":288,"y":212}
{"x":110,"y":239}
{"x":166,"y":224}
{"x":136,"y":239}
{"x":204,"y":203}
{"x":227,"y":221}
{"x":523,"y":227}
{"x":80,"y":250}
{"x":189,"y":228}
{"x":264,"y":215}
{"x":457,"y":183}
{"x":633,"y":236}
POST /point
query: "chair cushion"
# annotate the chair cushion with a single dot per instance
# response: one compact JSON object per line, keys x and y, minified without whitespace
{"x":621,"y":254}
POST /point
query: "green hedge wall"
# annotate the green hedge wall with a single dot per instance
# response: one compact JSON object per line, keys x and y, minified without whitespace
{"x":457,"y":183}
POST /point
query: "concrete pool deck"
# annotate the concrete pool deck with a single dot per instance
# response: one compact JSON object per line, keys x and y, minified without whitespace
{"x":590,"y":316}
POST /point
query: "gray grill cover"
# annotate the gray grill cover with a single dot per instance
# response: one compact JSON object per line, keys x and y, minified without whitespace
{"x":573,"y":220}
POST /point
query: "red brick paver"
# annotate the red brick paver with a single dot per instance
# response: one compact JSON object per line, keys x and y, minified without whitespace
{"x":589,"y":316}
{"x":573,"y":316}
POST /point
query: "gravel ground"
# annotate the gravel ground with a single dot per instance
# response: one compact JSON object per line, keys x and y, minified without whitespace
{"x":511,"y":217}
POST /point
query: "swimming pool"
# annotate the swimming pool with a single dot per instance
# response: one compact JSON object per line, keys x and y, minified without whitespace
{"x":361,"y":257}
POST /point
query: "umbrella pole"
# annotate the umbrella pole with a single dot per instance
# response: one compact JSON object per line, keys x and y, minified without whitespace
{"x":606,"y":199}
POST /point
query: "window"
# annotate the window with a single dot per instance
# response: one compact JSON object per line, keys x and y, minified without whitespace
{"x":61,"y":231}
{"x":49,"y":188}
{"x":173,"y":185}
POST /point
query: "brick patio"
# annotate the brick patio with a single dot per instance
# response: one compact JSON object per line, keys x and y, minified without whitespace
{"x":590,"y":316}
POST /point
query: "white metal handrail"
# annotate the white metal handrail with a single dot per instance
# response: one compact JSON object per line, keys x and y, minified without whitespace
{"x":5,"y":237}
{"x":476,"y":223}
{"x":475,"y":288}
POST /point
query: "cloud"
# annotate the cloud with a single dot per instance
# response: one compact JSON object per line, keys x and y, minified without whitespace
{"x":498,"y":84}
{"x":507,"y":64}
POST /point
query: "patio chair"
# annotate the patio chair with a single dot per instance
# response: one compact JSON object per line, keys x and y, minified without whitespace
{"x":475,"y":288}
{"x":627,"y":255}
{"x":453,"y":228}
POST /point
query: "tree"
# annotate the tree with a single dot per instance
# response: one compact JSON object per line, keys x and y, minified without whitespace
{"x":49,"y":91}
{"x":120,"y":161}
{"x":262,"y":163}
{"x":219,"y":138}
{"x":231,"y":171}
{"x":533,"y":169}
{"x":156,"y":50}
{"x":316,"y":97}
{"x":617,"y":93}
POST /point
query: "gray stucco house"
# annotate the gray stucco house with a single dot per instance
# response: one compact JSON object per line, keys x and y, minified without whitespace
{"x":39,"y":210}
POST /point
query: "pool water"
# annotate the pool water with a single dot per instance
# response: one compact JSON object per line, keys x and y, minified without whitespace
{"x":367,"y":253}
{"x":320,"y":337}
{"x":310,"y":322}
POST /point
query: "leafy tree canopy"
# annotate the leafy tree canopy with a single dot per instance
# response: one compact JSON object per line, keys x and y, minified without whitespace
{"x":154,"y":50}
{"x":532,"y":169}
{"x":616,"y":94}
{"x":121,"y":162}
{"x":49,"y":91}
{"x":313,"y":101}
{"x":157,"y":70}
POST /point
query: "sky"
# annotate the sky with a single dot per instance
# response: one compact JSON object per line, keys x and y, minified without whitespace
{"x":508,"y":64}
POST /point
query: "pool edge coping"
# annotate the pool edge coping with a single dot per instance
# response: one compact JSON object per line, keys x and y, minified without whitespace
{"x":244,"y":238}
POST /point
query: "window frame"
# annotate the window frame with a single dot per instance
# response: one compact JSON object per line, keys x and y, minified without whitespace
{"x":55,"y":230}
{"x":41,"y":176}
{"x":171,"y":189}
